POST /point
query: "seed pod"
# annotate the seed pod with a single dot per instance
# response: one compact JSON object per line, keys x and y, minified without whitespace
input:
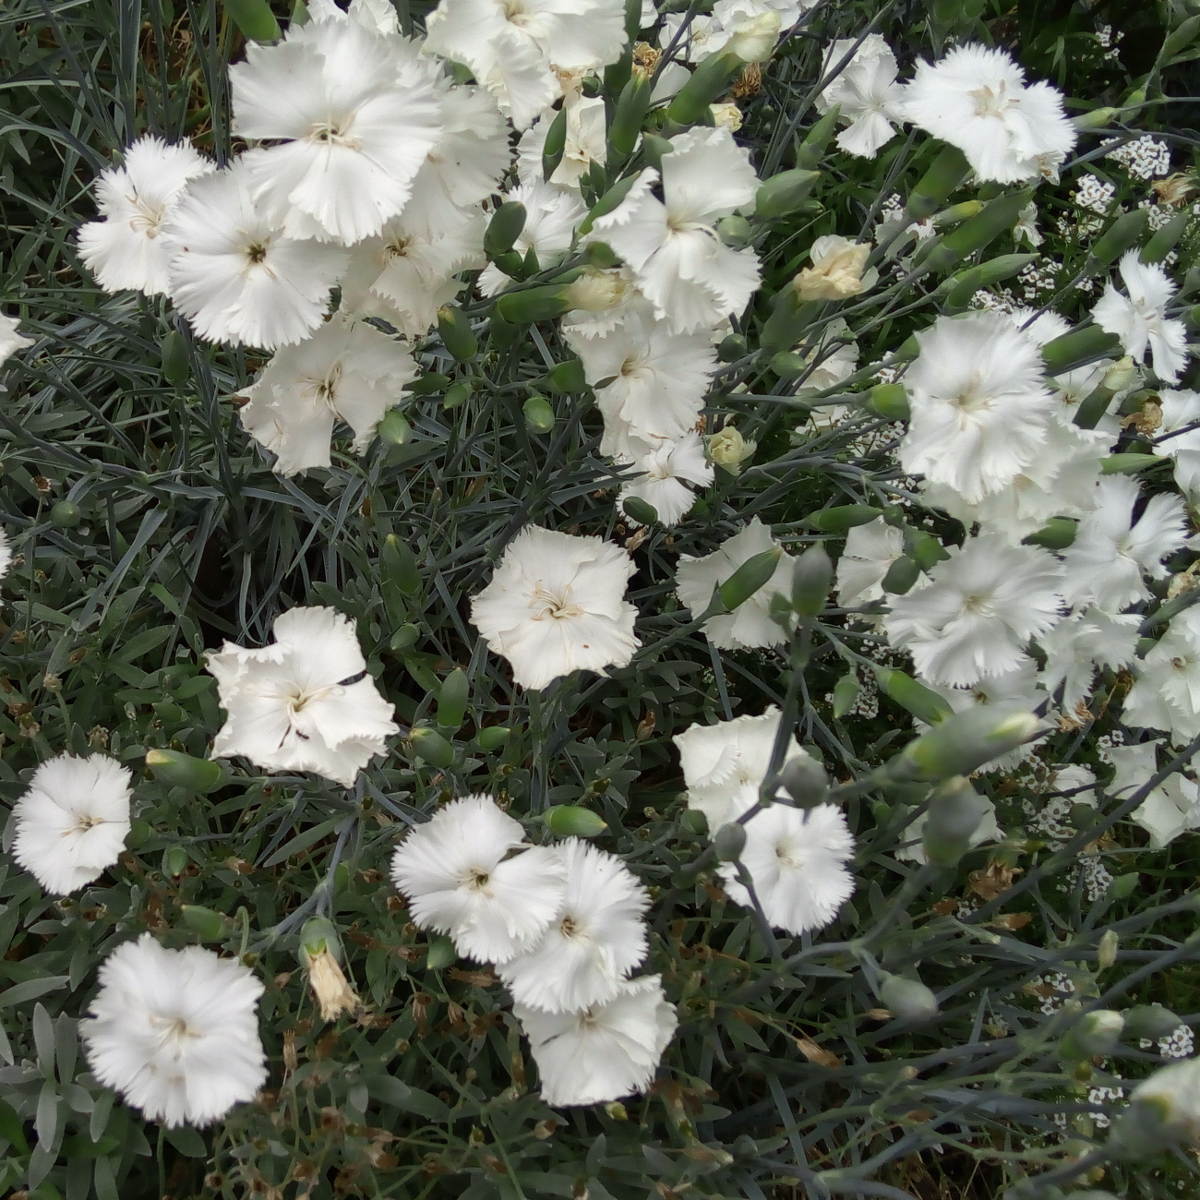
{"x":931,"y":191}
{"x":729,"y":841}
{"x":452,"y":699}
{"x":812,"y":576}
{"x":690,"y":104}
{"x":539,"y":415}
{"x":962,"y":743}
{"x":173,"y":349}
{"x":492,"y":737}
{"x":842,"y":517}
{"x":207,"y":925}
{"x":628,"y":115}
{"x":506,"y":225}
{"x":429,"y":745}
{"x":255,"y":19}
{"x":784,"y":193}
{"x":889,"y":401}
{"x":533,"y":304}
{"x":922,"y":702}
{"x":568,"y":820}
{"x":456,"y":333}
{"x":908,"y":999}
{"x":199,"y":775}
{"x":749,"y":578}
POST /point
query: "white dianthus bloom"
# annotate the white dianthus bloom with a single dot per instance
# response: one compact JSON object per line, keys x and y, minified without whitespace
{"x":604,"y":1052}
{"x":866,"y":92}
{"x":10,"y":340}
{"x":979,"y":404}
{"x":1179,"y":442}
{"x":407,"y":273}
{"x":594,"y":941}
{"x":1076,"y":646}
{"x":72,"y":820}
{"x":1172,"y":808}
{"x":556,"y":604}
{"x":585,"y":143}
{"x":519,"y":49}
{"x":797,"y":864}
{"x":725,"y":764}
{"x":123,"y":249}
{"x":601,"y":302}
{"x":690,"y":276}
{"x":346,"y":371}
{"x":1139,"y":319}
{"x":1166,"y":690}
{"x":551,"y":215}
{"x":376,"y":15}
{"x":1111,"y":551}
{"x":176,"y":1031}
{"x":665,"y":478}
{"x":461,"y":879}
{"x":650,"y":382}
{"x":304,"y":702}
{"x":978,"y":610}
{"x":870,"y":551}
{"x":703,"y":37}
{"x":350,"y":114}
{"x":976,"y":98}
{"x":750,"y":625}
{"x":234,"y":273}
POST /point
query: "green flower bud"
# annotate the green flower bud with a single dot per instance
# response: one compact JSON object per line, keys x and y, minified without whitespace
{"x":810,"y":154}
{"x":207,"y":925}
{"x":1164,"y":240}
{"x":908,"y":999}
{"x":429,"y":745}
{"x":943,"y":254}
{"x":452,"y":699}
{"x":889,"y":401}
{"x":610,"y":200}
{"x":441,"y":953}
{"x":429,"y":383}
{"x":508,"y":220}
{"x":493,"y":737}
{"x":1093,"y":1034}
{"x":174,"y":352}
{"x":732,"y":347}
{"x":1128,"y":464}
{"x":735,"y":231}
{"x":640,"y":511}
{"x":945,"y":173}
{"x":1079,"y":348}
{"x":568,"y":820}
{"x":693,"y":821}
{"x":729,"y":841}
{"x":1057,"y":534}
{"x":963,"y":742}
{"x":64,"y":515}
{"x":254,"y":18}
{"x":841,"y":518}
{"x":845,"y":693}
{"x":954,"y":814}
{"x":752,"y":575}
{"x":399,"y":565}
{"x":923,"y":548}
{"x":394,"y":429}
{"x":812,"y":576}
{"x":1180,"y":38}
{"x":924,"y":704}
{"x":1098,"y":118}
{"x":957,"y":213}
{"x":539,"y":415}
{"x":690,"y":104}
{"x":805,"y":781}
{"x":533,"y":304}
{"x":628,"y":114}
{"x":319,"y":936}
{"x":200,"y":775}
{"x":962,"y":286}
{"x":405,"y":638}
{"x":456,"y":333}
{"x":901,"y":576}
{"x":1123,"y":234}
{"x":174,"y":861}
{"x":566,"y":377}
{"x":457,"y":394}
{"x":784,"y":193}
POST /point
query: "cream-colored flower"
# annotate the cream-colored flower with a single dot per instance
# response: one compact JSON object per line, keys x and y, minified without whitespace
{"x":837,"y":271}
{"x":728,"y":449}
{"x":727,"y":115}
{"x":333,"y":994}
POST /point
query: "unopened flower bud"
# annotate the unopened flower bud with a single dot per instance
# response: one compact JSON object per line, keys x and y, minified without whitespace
{"x":1151,"y":1021}
{"x":805,"y":781}
{"x":965,"y":741}
{"x":200,"y":775}
{"x":207,"y":925}
{"x":1106,"y":951}
{"x":568,"y":820}
{"x":755,"y":40}
{"x":955,"y":812}
{"x":727,"y":448}
{"x":908,"y":999}
{"x":597,"y":290}
{"x":729,"y":841}
{"x":726,"y":116}
{"x":734,"y":230}
{"x":1123,"y":374}
{"x":837,"y":270}
{"x":1163,"y":1110}
{"x":1095,"y":1033}
{"x":812,"y":576}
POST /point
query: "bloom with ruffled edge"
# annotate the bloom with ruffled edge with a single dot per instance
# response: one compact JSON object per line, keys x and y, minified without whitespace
{"x":1140,"y":319}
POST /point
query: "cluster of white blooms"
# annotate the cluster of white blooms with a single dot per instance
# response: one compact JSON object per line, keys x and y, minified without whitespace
{"x":1145,"y":157}
{"x":564,"y":925}
{"x":1094,"y":194}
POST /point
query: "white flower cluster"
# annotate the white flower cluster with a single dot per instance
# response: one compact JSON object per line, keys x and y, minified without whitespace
{"x":1144,"y":157}
{"x":564,"y":926}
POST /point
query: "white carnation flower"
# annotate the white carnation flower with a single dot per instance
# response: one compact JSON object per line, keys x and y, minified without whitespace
{"x":979,"y":404}
{"x":797,"y":863}
{"x":303,"y":703}
{"x":461,"y":879}
{"x":556,"y":604}
{"x":346,"y":371}
{"x":1172,"y":808}
{"x":750,"y":625}
{"x":551,"y":215}
{"x":866,"y":92}
{"x":725,"y":764}
{"x":72,"y":820}
{"x":978,"y":610}
{"x":690,"y":276}
{"x":234,"y":273}
{"x":1076,"y":646}
{"x":594,"y":941}
{"x":1112,"y":550}
{"x":123,"y":249}
{"x":176,"y":1031}
{"x":650,"y":382}
{"x":1181,"y":410}
{"x":1166,"y":690}
{"x":870,"y":551}
{"x":586,"y":142}
{"x":351,"y":115}
{"x":605,"y":1052}
{"x":10,"y":340}
{"x":976,"y":98}
{"x":666,"y":475}
{"x":1139,"y":319}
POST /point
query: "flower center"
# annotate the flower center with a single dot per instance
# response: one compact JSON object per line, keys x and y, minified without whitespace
{"x":256,"y":252}
{"x":978,"y":604}
{"x":569,"y":927}
{"x":514,"y":12}
{"x":172,"y":1032}
{"x":971,"y":397}
{"x":991,"y":102}
{"x":477,"y":879}
{"x":331,"y":133}
{"x":148,"y":218}
{"x":783,"y":852}
{"x":556,"y":605}
{"x":326,"y":389}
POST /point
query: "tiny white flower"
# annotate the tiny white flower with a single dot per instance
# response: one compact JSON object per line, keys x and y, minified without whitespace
{"x":797,"y":864}
{"x":978,"y":610}
{"x":72,"y":820}
{"x":461,"y":878}
{"x":556,"y":604}
{"x":750,"y":625}
{"x":976,"y":98}
{"x":725,"y":764}
{"x":593,"y":942}
{"x":1139,"y":319}
{"x":304,"y":702}
{"x":665,"y":477}
{"x":866,"y":92}
{"x":605,"y":1052}
{"x":123,"y":249}
{"x":346,"y":371}
{"x":176,"y":1031}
